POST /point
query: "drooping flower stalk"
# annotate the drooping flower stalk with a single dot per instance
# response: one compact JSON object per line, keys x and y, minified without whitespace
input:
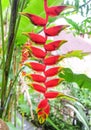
{"x":41,"y":82}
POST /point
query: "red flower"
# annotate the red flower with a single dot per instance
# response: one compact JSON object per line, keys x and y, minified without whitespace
{"x":23,"y":73}
{"x":51,"y":60}
{"x":54,"y":45}
{"x":53,"y":31}
{"x":41,"y":82}
{"x":52,"y":71}
{"x":55,"y":10}
{"x":52,"y":94}
{"x":36,"y":20}
{"x":36,"y":38}
{"x":42,"y":115}
{"x":36,"y":66}
{"x":25,"y":55}
{"x":38,"y":87}
{"x":36,"y":77}
{"x":43,"y":110}
{"x":53,"y":82}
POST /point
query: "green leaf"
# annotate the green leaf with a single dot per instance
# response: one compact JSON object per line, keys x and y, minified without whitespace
{"x":72,"y":23}
{"x":52,"y":123}
{"x":77,"y":4}
{"x":81,"y":79}
{"x":84,"y":1}
{"x":25,"y":5}
{"x":82,"y":13}
{"x":5,"y":4}
{"x":81,"y":109}
{"x":24,"y":108}
{"x":76,"y":53}
{"x":87,"y":10}
{"x":80,"y":114}
{"x":67,"y":97}
{"x":11,"y":126}
{"x":67,"y":74}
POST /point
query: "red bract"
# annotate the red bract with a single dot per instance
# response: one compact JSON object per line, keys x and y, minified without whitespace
{"x":52,"y":94}
{"x":53,"y":31}
{"x":36,"y":20}
{"x":44,"y":58}
{"x":53,"y":82}
{"x":42,"y":115}
{"x":55,"y":10}
{"x":54,"y":45}
{"x":52,"y":71}
{"x":38,"y":87}
{"x":43,"y":110}
{"x":51,"y":60}
{"x":36,"y":66}
{"x":42,"y":105}
{"x":36,"y":38}
{"x":47,"y":110}
{"x":37,"y":52}
{"x":36,"y":77}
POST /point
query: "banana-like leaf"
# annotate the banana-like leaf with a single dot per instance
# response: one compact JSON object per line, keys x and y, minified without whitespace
{"x":81,"y":79}
{"x":80,"y":115}
{"x":81,"y":109}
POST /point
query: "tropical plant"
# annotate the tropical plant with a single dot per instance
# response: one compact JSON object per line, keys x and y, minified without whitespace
{"x":36,"y":55}
{"x":82,"y":80}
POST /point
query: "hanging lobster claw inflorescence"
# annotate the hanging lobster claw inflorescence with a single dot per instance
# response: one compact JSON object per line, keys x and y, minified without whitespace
{"x":42,"y":83}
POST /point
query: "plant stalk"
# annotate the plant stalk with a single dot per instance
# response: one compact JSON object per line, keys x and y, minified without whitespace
{"x":3,"y":50}
{"x":10,"y":47}
{"x":9,"y":95}
{"x":19,"y":17}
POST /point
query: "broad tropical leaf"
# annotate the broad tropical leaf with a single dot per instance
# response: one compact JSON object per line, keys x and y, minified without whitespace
{"x":81,"y":79}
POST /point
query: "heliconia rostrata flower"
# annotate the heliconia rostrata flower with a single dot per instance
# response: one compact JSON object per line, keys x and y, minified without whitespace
{"x":45,"y":67}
